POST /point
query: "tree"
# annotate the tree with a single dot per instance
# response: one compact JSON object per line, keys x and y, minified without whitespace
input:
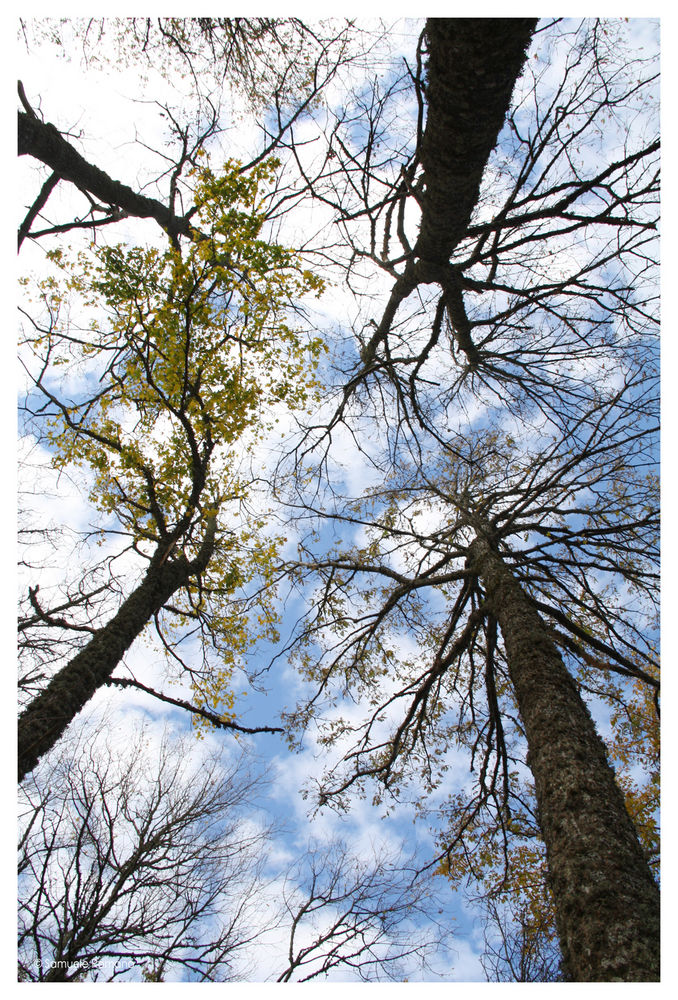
{"x":119,"y":873}
{"x":266,"y":59}
{"x":227,"y":288}
{"x":506,"y":539}
{"x":548,"y":342}
{"x":148,"y":862}
{"x":193,"y":355}
{"x":519,"y":947}
{"x":346,"y":912}
{"x":548,"y":279}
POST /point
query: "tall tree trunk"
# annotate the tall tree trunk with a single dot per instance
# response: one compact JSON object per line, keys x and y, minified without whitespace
{"x":606,"y":900}
{"x":50,"y":712}
{"x":472,"y":67}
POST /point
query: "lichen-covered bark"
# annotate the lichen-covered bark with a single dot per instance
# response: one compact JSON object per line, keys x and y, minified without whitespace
{"x":606,"y":900}
{"x":50,"y":712}
{"x":472,"y":67}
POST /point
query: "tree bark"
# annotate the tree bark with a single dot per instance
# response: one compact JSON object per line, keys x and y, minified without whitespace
{"x":606,"y":900}
{"x":44,"y":142}
{"x":50,"y":712}
{"x":473,"y":64}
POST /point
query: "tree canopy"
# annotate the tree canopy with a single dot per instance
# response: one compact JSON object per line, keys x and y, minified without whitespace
{"x":449,"y":463}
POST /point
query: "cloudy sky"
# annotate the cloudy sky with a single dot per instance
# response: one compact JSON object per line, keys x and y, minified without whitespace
{"x":107,"y":105}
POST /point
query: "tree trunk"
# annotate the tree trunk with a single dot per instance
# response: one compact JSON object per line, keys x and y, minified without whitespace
{"x":50,"y":712}
{"x":606,"y":900}
{"x":472,"y":68}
